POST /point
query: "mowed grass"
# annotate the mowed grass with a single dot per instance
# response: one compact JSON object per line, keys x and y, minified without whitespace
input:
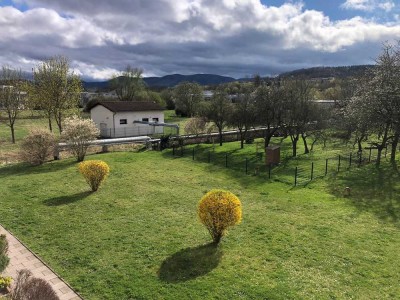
{"x":138,"y":236}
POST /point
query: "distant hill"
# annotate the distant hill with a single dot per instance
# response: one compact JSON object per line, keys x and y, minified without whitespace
{"x":169,"y":81}
{"x":212,"y":79}
{"x":175,"y":79}
{"x":327,"y":72}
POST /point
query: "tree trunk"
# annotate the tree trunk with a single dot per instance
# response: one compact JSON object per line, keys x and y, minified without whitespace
{"x":59,"y":122}
{"x":313,"y":143}
{"x":220,"y":136}
{"x":359,"y":144}
{"x":50,"y":125}
{"x":306,"y":150}
{"x":268,"y":136}
{"x":394,"y":147}
{"x":242,"y":136}
{"x":378,"y":158}
{"x":294,"y":144}
{"x":383,"y":144}
{"x":12,"y":133}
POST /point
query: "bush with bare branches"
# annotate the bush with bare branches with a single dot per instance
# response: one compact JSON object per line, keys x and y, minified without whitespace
{"x":27,"y":287}
{"x":37,"y":146}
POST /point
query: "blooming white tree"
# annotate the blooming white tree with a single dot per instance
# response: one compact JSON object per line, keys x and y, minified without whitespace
{"x":77,"y":133}
{"x":375,"y":108}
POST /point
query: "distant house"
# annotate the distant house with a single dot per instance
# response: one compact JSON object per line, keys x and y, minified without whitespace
{"x":126,"y":118}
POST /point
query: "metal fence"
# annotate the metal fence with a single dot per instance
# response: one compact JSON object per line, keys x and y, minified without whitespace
{"x":131,"y":131}
{"x":255,"y":164}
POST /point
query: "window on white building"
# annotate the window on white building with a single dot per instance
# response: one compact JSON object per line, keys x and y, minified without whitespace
{"x":145,"y":119}
{"x":123,"y":121}
{"x":155,"y":119}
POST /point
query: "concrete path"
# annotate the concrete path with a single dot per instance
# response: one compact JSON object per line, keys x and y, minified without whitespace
{"x":22,"y":258}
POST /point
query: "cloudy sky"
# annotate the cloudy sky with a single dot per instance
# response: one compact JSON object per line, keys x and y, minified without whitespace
{"x":237,"y":38}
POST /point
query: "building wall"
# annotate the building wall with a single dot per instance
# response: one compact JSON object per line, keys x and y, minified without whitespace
{"x":101,"y":115}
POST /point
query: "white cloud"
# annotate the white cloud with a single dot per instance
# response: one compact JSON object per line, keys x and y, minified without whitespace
{"x":369,"y":5}
{"x":231,"y":37}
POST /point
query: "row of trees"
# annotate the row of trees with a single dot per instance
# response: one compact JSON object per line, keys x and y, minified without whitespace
{"x":367,"y":108}
{"x":279,"y":106}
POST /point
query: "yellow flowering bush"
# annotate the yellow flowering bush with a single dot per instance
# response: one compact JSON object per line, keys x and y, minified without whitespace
{"x":94,"y":171}
{"x":218,"y":210}
{"x":5,"y":282}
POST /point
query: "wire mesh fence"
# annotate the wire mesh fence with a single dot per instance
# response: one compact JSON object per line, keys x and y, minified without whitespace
{"x":254,"y":164}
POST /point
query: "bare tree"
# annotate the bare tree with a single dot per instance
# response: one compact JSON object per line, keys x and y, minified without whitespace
{"x":219,"y":110}
{"x":12,"y":96}
{"x":243,"y":113}
{"x":299,"y":113}
{"x":128,"y":84}
{"x":270,"y":106}
{"x":55,"y":89}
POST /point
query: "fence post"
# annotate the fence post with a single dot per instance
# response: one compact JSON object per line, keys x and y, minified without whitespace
{"x":246,"y":165}
{"x":173,"y":150}
{"x":269,"y":171}
{"x":295,"y":177}
{"x":193,"y":153}
{"x":209,"y":156}
{"x":181,"y":150}
{"x":338,"y":167}
{"x":350,"y":160}
{"x":326,"y":167}
{"x":359,"y":158}
{"x":312,"y":170}
{"x":370,"y":152}
{"x":226,"y":160}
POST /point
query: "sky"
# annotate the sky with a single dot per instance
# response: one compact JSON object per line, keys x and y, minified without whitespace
{"x":237,"y":38}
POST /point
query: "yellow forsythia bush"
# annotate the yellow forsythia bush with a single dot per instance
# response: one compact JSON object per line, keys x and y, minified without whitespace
{"x":218,"y":210}
{"x":94,"y":171}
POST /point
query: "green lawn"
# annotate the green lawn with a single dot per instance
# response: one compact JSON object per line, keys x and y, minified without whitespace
{"x":138,"y":237}
{"x":171,"y":117}
{"x":27,"y":120}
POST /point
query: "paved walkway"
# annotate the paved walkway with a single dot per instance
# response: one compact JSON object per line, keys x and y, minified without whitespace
{"x":22,"y":258}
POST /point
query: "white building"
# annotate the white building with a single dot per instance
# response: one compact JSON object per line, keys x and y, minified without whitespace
{"x":126,"y":118}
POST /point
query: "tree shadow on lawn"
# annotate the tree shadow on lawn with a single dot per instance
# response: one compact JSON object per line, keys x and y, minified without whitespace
{"x":190,"y":263}
{"x":375,"y":190}
{"x":27,"y":169}
{"x":66,"y":199}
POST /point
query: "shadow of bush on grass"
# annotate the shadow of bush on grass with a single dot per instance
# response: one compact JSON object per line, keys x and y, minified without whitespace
{"x":66,"y":199}
{"x":190,"y":263}
{"x":375,"y":190}
{"x":27,"y":169}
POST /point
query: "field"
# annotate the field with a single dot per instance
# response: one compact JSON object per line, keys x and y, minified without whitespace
{"x":138,"y":237}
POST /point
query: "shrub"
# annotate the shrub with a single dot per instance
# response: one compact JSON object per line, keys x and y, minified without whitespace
{"x":5,"y":282}
{"x":195,"y":126}
{"x":27,"y":287}
{"x":218,"y":210}
{"x":4,"y":260}
{"x":37,"y":146}
{"x":95,"y":172}
{"x":77,"y":134}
